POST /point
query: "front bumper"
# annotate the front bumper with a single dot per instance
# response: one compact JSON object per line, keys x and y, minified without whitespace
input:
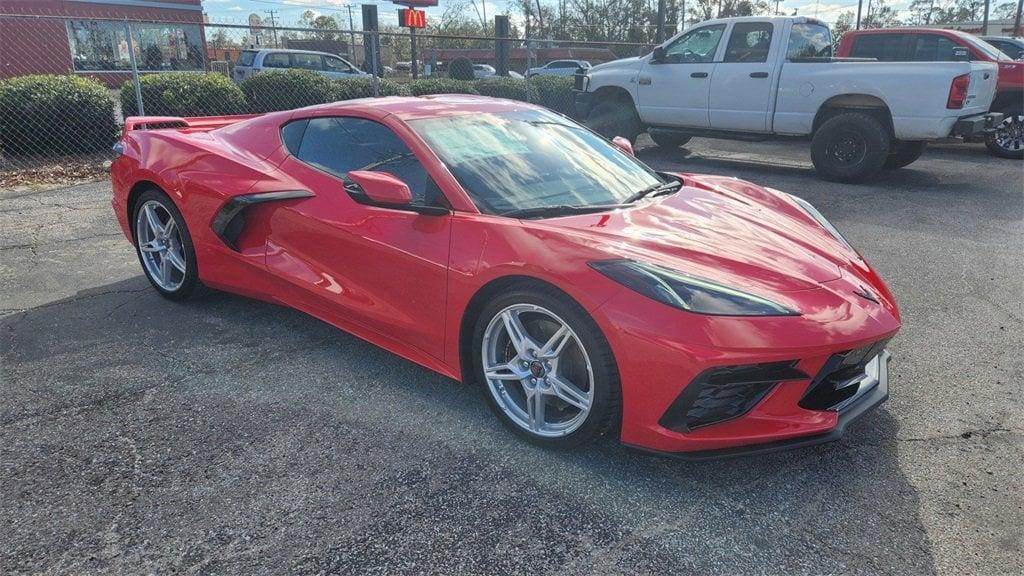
{"x":872,"y":390}
{"x":977,"y":124}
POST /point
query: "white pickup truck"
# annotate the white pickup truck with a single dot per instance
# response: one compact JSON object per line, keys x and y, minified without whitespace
{"x":756,"y":78}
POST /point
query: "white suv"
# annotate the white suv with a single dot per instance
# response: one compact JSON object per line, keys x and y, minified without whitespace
{"x":253,"y":61}
{"x":558,"y":68}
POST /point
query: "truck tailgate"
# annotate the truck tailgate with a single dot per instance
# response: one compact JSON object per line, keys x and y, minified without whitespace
{"x":982,"y":89}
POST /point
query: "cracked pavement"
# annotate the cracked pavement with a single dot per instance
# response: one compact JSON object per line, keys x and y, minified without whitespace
{"x":229,"y":436}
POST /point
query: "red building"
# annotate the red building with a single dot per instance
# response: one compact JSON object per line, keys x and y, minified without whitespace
{"x":96,"y":37}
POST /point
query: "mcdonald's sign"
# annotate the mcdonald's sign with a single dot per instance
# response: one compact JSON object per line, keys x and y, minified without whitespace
{"x":412,"y":18}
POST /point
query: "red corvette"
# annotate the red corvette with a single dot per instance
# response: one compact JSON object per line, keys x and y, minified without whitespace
{"x":499,"y":243}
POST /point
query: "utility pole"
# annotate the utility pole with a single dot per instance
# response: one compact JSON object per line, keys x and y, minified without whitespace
{"x":1016,"y":21}
{"x":984,"y":23}
{"x":273,"y":24}
{"x":776,"y":7}
{"x":659,"y":33}
{"x":351,"y":34}
{"x":860,"y":3}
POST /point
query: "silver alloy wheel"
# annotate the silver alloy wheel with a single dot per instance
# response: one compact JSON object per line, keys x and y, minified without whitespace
{"x":1009,"y":135}
{"x":538,"y":370}
{"x":163,"y":255}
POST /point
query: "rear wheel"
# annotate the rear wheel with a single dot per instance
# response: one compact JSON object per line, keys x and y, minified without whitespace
{"x":1007,"y":140}
{"x":668,"y":139}
{"x":545,"y":368}
{"x":611,"y":118}
{"x":164,"y":246}
{"x":904,"y":154}
{"x":850,"y":147}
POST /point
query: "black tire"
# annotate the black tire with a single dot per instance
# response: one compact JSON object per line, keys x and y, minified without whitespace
{"x":190,"y":280}
{"x":1007,"y":141}
{"x":668,"y":139}
{"x":605,"y":409}
{"x":611,"y":118}
{"x":904,"y":154}
{"x":850,"y":147}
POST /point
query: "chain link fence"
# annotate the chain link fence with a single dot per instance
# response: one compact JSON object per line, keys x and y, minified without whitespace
{"x":67,"y":84}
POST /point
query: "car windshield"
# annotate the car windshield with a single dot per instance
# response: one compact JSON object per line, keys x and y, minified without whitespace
{"x":532,"y":159}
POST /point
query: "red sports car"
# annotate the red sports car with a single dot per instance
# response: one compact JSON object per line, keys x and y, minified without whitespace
{"x":500,"y":243}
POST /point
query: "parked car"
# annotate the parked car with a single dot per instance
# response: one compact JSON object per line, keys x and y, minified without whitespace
{"x":1012,"y":47}
{"x":483,"y":71}
{"x":502,"y":244}
{"x":936,"y":45}
{"x":253,"y":61}
{"x":765,"y":77}
{"x":558,"y":68}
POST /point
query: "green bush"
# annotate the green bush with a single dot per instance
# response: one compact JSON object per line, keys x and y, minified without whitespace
{"x":55,"y":115}
{"x":184,"y":94}
{"x":461,"y":69}
{"x":554,"y":92}
{"x":286,"y":90}
{"x":425,"y":86}
{"x":505,"y":87}
{"x":362,"y":87}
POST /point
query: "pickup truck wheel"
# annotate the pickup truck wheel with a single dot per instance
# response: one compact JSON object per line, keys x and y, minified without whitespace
{"x":904,"y":154}
{"x":666,"y":139}
{"x":612,"y":118}
{"x":850,"y":147}
{"x":1007,"y":140}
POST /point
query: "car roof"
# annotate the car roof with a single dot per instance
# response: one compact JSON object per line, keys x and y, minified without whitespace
{"x":293,"y":51}
{"x":417,"y":107}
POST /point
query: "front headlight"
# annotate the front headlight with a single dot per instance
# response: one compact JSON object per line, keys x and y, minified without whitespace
{"x":813,"y":213}
{"x":688,"y":292}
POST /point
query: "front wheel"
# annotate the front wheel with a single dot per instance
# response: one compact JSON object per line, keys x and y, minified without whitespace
{"x":164,"y":246}
{"x":667,"y":139}
{"x":850,"y":147}
{"x":611,"y":118}
{"x":1007,"y":140}
{"x":545,"y":368}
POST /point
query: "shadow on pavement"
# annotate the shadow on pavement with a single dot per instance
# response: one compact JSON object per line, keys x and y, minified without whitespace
{"x":227,"y":435}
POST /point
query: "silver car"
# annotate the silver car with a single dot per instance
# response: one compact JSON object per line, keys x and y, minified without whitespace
{"x":253,"y":61}
{"x":558,"y":68}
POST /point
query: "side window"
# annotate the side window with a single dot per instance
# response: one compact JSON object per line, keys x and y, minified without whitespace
{"x":697,"y":45}
{"x":339,"y":145}
{"x":809,"y":40}
{"x":749,"y":42}
{"x":932,"y":48}
{"x":291,"y":135}
{"x":882,"y":47}
{"x":276,"y":60}
{"x":337,"y":64}
{"x":307,"y":61}
{"x":245,"y":57}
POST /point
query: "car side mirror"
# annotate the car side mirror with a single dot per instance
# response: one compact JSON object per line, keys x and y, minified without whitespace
{"x":961,"y":54}
{"x":623,"y":144}
{"x":658,"y":55}
{"x":382,"y":188}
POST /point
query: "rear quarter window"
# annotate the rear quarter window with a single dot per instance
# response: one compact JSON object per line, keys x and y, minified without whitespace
{"x":276,"y":60}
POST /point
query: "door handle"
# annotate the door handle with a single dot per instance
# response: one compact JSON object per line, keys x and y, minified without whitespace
{"x":698,"y":75}
{"x":758,"y":74}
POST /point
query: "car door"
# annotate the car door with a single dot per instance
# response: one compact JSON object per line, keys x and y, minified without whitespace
{"x":741,"y":84}
{"x":674,"y":91}
{"x":276,"y":60}
{"x":379,"y":267}
{"x":308,"y":61}
{"x":338,"y":68}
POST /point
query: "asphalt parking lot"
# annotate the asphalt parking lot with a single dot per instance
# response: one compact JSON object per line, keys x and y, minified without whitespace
{"x":228,"y":436}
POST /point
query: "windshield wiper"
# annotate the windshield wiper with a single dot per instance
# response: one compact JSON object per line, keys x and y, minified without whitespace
{"x":655,"y":189}
{"x":559,"y":210}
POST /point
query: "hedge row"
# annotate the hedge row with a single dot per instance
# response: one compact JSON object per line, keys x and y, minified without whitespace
{"x":71,"y":114}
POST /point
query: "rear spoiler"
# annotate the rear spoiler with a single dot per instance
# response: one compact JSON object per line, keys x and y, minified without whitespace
{"x":197,"y":123}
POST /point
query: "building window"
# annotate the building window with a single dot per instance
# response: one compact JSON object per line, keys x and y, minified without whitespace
{"x":101,"y":46}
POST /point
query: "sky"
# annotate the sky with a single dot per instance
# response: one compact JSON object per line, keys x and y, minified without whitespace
{"x":289,"y":11}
